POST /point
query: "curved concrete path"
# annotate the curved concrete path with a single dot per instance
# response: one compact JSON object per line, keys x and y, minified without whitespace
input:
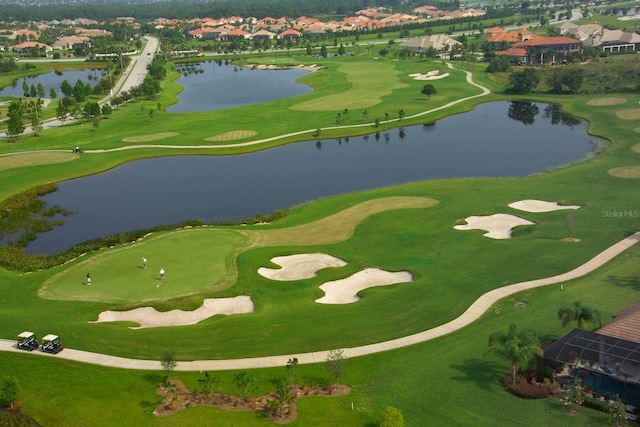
{"x":469,"y":78}
{"x":477,"y":309}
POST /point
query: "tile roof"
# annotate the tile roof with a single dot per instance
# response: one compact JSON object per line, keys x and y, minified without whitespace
{"x":546,"y":41}
{"x":625,"y":325}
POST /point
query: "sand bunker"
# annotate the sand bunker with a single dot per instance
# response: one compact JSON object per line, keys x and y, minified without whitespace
{"x":625,"y":172}
{"x":150,"y":137}
{"x":631,"y":114}
{"x":607,"y":101}
{"x":345,"y":291}
{"x":431,"y":75}
{"x":637,"y":129}
{"x":636,"y":148}
{"x":36,"y":158}
{"x":311,"y":68}
{"x":498,"y":226}
{"x":233,"y":135}
{"x":149,"y":317}
{"x":300,"y":266}
{"x":531,"y":205}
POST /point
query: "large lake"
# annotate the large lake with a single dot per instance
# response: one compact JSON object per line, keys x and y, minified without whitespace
{"x":497,"y":139}
{"x":216,"y":85}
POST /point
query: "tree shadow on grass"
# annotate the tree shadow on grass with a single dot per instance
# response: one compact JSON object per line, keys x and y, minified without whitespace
{"x":315,"y":380}
{"x":153,"y":378}
{"x":624,"y":282}
{"x":482,"y":373}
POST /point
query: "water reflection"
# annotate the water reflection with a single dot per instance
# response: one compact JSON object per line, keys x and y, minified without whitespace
{"x":218,"y":85}
{"x":141,"y":194}
{"x":53,"y":80}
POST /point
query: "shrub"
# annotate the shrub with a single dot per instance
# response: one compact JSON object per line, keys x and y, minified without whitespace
{"x":597,"y":404}
{"x":525,"y":389}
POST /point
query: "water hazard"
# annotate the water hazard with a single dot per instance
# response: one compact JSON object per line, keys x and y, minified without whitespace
{"x":499,"y":139}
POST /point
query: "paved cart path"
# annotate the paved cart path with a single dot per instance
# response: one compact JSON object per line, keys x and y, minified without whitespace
{"x":469,"y":78}
{"x":477,"y":309}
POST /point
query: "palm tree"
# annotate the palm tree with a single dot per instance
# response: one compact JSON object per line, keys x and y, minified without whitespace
{"x":583,"y":315}
{"x":516,"y":346}
{"x":531,"y":53}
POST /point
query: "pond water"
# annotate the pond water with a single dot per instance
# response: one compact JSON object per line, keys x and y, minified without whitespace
{"x":496,"y":139}
{"x":215,"y":85}
{"x":53,"y":80}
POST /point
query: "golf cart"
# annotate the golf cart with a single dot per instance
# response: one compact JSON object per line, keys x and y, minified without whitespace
{"x":51,"y":344}
{"x":27,"y":341}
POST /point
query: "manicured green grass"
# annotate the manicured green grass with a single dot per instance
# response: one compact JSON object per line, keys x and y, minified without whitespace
{"x":362,"y":90}
{"x":195,"y":261}
{"x":444,"y":381}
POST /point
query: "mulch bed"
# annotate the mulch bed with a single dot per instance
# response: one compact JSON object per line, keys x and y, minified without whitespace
{"x":177,"y":397}
{"x":525,"y":387}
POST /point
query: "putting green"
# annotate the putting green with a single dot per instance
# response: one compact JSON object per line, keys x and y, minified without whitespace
{"x":630,"y":114}
{"x":150,"y":137}
{"x":233,"y":135}
{"x":195,"y":261}
{"x":599,"y":102}
{"x":198,"y":260}
{"x":366,"y":88}
{"x":34,"y":159}
{"x":626,"y":172}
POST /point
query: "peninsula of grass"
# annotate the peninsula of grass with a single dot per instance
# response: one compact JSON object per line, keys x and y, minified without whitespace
{"x":446,"y":380}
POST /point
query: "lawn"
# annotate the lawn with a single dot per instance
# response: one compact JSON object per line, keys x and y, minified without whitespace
{"x":362,"y":89}
{"x":446,"y":380}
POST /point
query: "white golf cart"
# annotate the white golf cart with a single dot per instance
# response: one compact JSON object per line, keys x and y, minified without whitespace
{"x":51,"y":344}
{"x":27,"y":341}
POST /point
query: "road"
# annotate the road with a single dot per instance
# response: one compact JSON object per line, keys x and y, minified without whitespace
{"x":133,"y":76}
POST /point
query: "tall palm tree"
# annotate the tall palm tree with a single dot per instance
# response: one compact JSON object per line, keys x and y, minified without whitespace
{"x":531,"y":53}
{"x":579,"y":313}
{"x":517,"y":346}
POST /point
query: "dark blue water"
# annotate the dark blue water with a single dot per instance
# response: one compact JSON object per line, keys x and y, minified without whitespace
{"x":53,"y":80}
{"x":217,"y":86}
{"x":608,"y":386}
{"x":496,"y":139}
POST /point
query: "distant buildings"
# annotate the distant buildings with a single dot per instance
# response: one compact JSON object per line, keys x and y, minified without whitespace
{"x":530,"y":47}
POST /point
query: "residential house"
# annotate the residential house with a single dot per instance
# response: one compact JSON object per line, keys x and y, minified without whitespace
{"x":436,"y":41}
{"x":263,"y":35}
{"x":70,"y":42}
{"x":235,"y":34}
{"x":290,"y":34}
{"x":497,"y":35}
{"x":29,"y":46}
{"x":542,"y":50}
{"x":608,"y":360}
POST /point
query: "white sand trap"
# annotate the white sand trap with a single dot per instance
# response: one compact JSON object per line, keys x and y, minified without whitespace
{"x":300,"y":266}
{"x":431,"y":75}
{"x":345,"y":291}
{"x":531,"y":205}
{"x":149,"y":317}
{"x":499,"y":226}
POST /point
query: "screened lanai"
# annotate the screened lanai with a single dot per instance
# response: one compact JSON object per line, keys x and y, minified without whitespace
{"x":610,"y":365}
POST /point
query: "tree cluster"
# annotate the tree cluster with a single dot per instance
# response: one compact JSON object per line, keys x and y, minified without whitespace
{"x":566,"y":79}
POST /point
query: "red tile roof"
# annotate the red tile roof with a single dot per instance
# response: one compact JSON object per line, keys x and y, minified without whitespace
{"x":546,"y":41}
